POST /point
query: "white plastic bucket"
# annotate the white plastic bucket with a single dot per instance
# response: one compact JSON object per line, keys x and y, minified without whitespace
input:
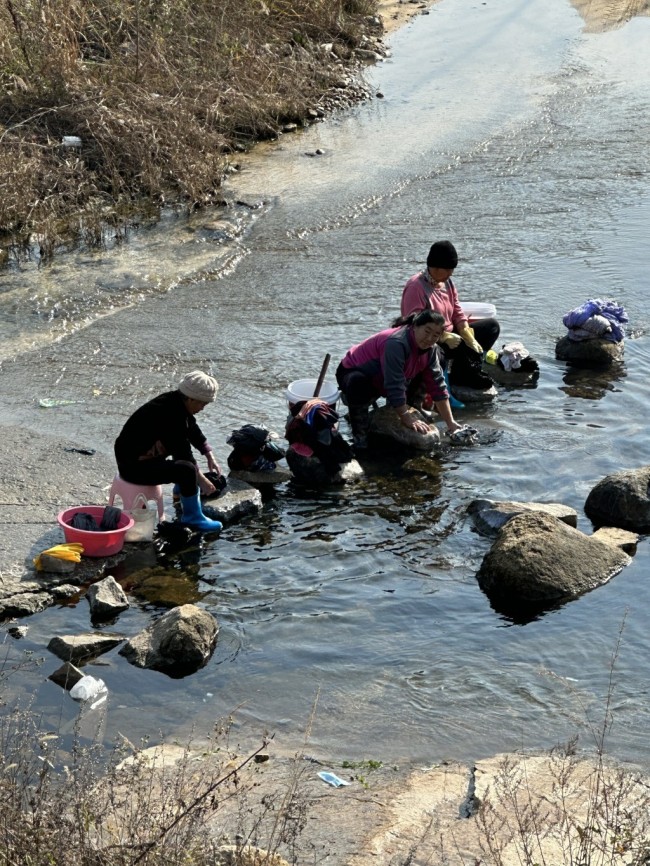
{"x":478,"y":310}
{"x":303,"y":389}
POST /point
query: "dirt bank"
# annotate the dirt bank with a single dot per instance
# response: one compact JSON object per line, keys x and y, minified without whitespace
{"x":602,"y":15}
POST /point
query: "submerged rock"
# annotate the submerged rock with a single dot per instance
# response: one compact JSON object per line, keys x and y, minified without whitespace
{"x":490,"y":515}
{"x":106,"y":598}
{"x":79,"y":647}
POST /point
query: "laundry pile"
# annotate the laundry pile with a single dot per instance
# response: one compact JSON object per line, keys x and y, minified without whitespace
{"x":254,"y":449}
{"x":597,"y":319}
{"x":312,"y":430}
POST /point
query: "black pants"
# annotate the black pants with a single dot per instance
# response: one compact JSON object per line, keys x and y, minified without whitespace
{"x":356,"y":386}
{"x":158,"y":470}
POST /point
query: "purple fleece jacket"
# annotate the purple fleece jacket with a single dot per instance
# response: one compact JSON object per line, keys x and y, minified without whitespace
{"x":391,"y":359}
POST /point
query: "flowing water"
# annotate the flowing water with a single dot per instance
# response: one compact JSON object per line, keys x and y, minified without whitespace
{"x":507,"y":129}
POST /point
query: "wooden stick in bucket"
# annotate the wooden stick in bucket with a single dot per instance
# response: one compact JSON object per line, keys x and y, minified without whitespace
{"x":321,"y":378}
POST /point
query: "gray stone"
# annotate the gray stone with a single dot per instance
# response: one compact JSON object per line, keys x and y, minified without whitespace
{"x":272,"y":476}
{"x":64,"y":590}
{"x":621,"y":538}
{"x":311,"y":472}
{"x":474,"y":395}
{"x":24,"y":604}
{"x":537,"y":558}
{"x":621,"y":500}
{"x":238,"y":499}
{"x":55,"y":565}
{"x":17,"y":631}
{"x":66,"y":676}
{"x":511,"y":378}
{"x":589,"y":353}
{"x":490,"y":515}
{"x":75,"y":648}
{"x":106,"y":598}
{"x":385,"y":423}
{"x":177,"y":644}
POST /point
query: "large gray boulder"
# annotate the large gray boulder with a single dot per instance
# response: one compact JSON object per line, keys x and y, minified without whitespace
{"x":385,"y":423}
{"x":589,"y":353}
{"x":621,"y":499}
{"x":538,"y":559}
{"x":177,"y":644}
{"x":490,"y":515}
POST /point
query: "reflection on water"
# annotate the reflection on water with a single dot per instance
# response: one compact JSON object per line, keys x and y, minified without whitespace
{"x":593,"y":384}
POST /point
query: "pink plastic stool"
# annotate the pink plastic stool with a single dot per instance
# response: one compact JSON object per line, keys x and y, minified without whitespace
{"x":129,"y":492}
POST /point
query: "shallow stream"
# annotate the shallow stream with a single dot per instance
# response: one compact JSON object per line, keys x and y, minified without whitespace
{"x":505,"y":128}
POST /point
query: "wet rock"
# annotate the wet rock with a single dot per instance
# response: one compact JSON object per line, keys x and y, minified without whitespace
{"x":106,"y":598}
{"x":177,"y":644}
{"x":80,"y":647}
{"x":621,"y":499}
{"x":385,"y":423}
{"x":55,"y":565}
{"x":24,"y":604}
{"x":238,"y":499}
{"x":537,"y":558}
{"x":490,"y":515}
{"x":312,"y":473}
{"x":64,"y":591}
{"x":524,"y":375}
{"x":66,"y":676}
{"x":17,"y":631}
{"x":474,"y":395}
{"x":289,"y":127}
{"x":620,"y":538}
{"x":589,"y":353}
{"x":257,"y":479}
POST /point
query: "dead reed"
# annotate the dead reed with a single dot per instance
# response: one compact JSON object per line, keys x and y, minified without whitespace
{"x":158,"y":92}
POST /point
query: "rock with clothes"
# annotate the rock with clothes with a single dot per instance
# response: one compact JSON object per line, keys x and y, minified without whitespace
{"x":312,"y":431}
{"x":512,"y":366}
{"x":596,"y":319}
{"x":589,"y":353}
{"x":254,"y":449}
{"x":537,"y":560}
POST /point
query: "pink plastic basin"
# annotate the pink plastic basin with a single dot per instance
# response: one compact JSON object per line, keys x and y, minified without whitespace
{"x":95,"y":543}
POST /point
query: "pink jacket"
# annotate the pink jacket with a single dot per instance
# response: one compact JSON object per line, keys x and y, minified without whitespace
{"x":419,"y":294}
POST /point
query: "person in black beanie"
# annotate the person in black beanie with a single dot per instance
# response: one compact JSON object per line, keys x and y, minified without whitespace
{"x":433,"y":288}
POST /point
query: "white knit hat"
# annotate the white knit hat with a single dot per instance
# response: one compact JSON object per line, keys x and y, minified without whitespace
{"x":199,"y":386}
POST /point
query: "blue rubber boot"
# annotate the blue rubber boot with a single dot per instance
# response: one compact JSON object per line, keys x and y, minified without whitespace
{"x":453,"y":402}
{"x":193,"y":515}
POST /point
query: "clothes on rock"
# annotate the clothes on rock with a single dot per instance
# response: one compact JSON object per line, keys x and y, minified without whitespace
{"x":312,"y":424}
{"x":254,"y":449}
{"x":597,"y":319}
{"x":511,"y":356}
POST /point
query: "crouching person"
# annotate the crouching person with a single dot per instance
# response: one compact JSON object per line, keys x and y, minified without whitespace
{"x":155,"y":446}
{"x":391,"y":363}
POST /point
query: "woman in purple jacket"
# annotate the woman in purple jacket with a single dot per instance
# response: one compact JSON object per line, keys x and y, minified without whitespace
{"x":392,"y":364}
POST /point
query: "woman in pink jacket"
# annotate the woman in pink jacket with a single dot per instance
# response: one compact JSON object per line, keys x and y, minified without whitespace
{"x":433,"y":289}
{"x":392,"y":364}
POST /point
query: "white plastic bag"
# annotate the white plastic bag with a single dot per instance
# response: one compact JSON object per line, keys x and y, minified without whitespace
{"x":144,"y":520}
{"x":89,"y":689}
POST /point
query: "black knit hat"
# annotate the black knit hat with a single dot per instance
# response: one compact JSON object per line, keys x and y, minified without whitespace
{"x":442,"y":255}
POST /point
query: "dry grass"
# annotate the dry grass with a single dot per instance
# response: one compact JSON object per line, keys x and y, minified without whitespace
{"x":159,"y":91}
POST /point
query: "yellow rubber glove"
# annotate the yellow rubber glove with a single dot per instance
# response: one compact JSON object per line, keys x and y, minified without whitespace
{"x":450,"y":339}
{"x":71,"y":551}
{"x":467,"y":336}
